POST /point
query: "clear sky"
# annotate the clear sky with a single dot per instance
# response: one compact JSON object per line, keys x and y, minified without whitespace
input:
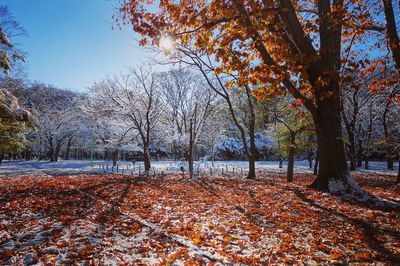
{"x":70,"y":43}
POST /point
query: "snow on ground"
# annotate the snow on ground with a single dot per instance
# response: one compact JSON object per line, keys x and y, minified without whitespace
{"x":21,"y":168}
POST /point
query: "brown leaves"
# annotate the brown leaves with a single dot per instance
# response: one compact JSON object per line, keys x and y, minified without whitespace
{"x":243,"y":221}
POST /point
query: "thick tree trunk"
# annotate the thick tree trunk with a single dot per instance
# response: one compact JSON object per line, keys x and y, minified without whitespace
{"x":292,"y":149}
{"x":331,"y":152}
{"x":391,"y":32}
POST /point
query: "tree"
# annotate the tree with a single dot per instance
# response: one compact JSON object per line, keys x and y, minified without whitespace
{"x":268,"y":43}
{"x":355,"y":97}
{"x":14,"y":123}
{"x":213,"y":131}
{"x":57,"y":121}
{"x":134,"y":101}
{"x":392,"y":33}
{"x":109,"y":133}
{"x":293,"y":122}
{"x":223,"y":86}
{"x":190,"y":105}
{"x":388,"y":140}
{"x":9,"y":28}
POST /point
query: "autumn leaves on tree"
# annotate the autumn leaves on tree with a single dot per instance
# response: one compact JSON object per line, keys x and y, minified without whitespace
{"x":281,"y":46}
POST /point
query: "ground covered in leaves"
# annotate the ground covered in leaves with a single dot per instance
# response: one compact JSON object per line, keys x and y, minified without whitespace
{"x":117,"y":220}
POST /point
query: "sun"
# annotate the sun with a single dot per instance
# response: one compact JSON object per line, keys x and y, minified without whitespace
{"x":167,"y":44}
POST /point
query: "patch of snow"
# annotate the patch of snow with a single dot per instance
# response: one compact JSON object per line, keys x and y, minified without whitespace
{"x":75,"y":167}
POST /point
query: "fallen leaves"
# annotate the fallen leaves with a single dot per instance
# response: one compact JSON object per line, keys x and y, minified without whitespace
{"x":111,"y":218}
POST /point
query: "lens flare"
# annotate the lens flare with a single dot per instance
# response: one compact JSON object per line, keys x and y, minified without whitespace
{"x":166,"y":43}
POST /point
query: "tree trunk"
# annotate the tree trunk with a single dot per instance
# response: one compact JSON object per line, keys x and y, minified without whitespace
{"x":359,"y":162}
{"x":391,"y":32}
{"x":389,"y":148}
{"x":331,"y":152}
{"x":68,"y":148}
{"x":310,"y":158}
{"x":114,"y":157}
{"x":398,"y":172}
{"x":191,"y":144}
{"x":57,"y":151}
{"x":50,"y":154}
{"x":349,"y":126}
{"x":27,"y":155}
{"x":251,"y":154}
{"x":146,"y":157}
{"x":366,"y":166}
{"x":390,"y":162}
{"x":1,"y":157}
{"x":359,"y":153}
{"x":251,"y":157}
{"x":352,"y":155}
{"x":292,"y":149}
{"x":316,"y":164}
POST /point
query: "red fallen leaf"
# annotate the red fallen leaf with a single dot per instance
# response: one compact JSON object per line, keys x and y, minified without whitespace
{"x":14,"y":204}
{"x":5,"y":255}
{"x":363,"y":255}
{"x":143,"y":249}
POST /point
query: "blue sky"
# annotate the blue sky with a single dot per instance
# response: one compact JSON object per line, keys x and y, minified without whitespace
{"x":70,"y":43}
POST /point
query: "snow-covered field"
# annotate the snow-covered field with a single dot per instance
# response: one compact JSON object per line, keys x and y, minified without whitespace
{"x":21,"y":168}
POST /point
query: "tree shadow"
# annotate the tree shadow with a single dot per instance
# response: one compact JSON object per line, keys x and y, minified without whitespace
{"x":370,"y":232}
{"x":352,"y":197}
{"x":72,"y":202}
{"x":375,"y":180}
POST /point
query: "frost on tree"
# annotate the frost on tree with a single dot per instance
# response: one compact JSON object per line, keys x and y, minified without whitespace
{"x":229,"y":149}
{"x":15,"y":122}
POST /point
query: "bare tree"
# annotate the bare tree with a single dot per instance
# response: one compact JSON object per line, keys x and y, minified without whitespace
{"x":190,"y":104}
{"x":133,"y":99}
{"x":203,"y":63}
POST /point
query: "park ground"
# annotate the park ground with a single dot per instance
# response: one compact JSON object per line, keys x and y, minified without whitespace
{"x":237,"y":168}
{"x":114,"y":219}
